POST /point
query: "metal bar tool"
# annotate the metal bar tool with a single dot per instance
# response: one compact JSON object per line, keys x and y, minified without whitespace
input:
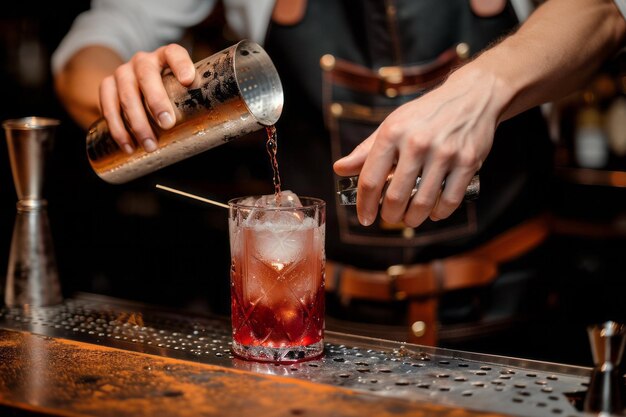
{"x":32,"y":278}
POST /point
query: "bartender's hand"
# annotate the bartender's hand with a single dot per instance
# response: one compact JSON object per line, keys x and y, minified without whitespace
{"x":448,"y":133}
{"x":443,"y":135}
{"x":122,"y":95}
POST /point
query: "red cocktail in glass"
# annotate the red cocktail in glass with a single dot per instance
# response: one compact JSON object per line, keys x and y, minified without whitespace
{"x":277,"y":279}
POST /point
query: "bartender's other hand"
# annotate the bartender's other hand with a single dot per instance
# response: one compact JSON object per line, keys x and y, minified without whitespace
{"x":122,"y":95}
{"x":444,"y":135}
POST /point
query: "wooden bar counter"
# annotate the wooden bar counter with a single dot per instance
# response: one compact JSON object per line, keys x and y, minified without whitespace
{"x":96,"y":356}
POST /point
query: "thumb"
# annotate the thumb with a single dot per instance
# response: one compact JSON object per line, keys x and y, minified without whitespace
{"x":352,"y":163}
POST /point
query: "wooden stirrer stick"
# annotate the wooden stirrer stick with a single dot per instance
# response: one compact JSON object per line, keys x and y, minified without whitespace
{"x":206,"y":200}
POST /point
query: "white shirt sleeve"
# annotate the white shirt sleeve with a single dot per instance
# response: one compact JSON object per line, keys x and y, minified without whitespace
{"x":129,"y":26}
{"x":249,"y":19}
{"x":523,"y":9}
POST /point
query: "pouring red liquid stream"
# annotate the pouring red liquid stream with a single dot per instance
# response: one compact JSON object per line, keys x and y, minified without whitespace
{"x":272,"y":149}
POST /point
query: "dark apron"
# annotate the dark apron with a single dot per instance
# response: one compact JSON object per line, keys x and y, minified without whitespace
{"x":411,"y":34}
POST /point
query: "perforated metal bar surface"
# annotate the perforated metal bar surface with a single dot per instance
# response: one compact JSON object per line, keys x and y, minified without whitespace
{"x":472,"y":381}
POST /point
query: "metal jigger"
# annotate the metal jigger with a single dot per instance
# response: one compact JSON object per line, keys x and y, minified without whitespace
{"x":606,"y":388}
{"x":32,"y":277}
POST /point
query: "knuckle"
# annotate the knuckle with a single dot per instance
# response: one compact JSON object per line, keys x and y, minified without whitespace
{"x":146,"y":77}
{"x":367,"y":184}
{"x":140,"y":57}
{"x":166,"y":49}
{"x":146,"y":71}
{"x":107,"y":82}
{"x":469,"y":158}
{"x":445,"y":152}
{"x":450,"y":201}
{"x":389,"y":131}
{"x":394,"y":198}
{"x":120,"y":72}
{"x":417,"y":147}
{"x":171,"y":48}
{"x":142,"y":74}
{"x":422,"y":203}
{"x":109,"y":113}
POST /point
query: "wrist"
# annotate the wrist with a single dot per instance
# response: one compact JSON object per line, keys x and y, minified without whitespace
{"x":487,"y":83}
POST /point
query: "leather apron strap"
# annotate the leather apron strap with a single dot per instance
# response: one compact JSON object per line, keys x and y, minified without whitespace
{"x":422,"y":284}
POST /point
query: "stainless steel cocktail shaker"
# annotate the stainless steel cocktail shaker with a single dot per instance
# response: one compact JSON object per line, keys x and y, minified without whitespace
{"x":236,"y":91}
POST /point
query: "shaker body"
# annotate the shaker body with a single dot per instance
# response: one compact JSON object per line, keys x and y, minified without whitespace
{"x":235,"y":92}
